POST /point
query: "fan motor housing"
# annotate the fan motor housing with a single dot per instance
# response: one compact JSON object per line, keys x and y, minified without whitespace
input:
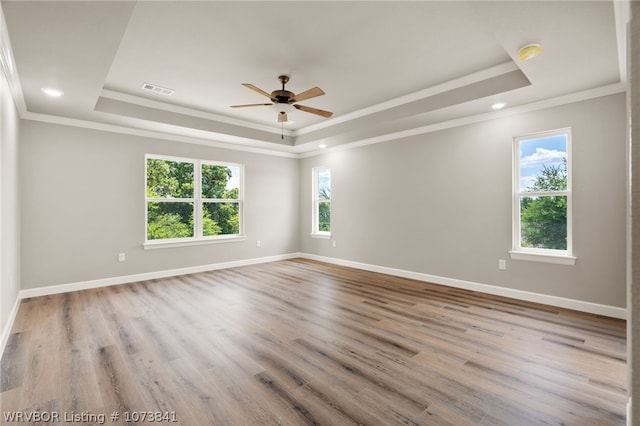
{"x":282,"y":96}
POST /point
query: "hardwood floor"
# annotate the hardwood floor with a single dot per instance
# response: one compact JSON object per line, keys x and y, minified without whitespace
{"x":302,"y":342}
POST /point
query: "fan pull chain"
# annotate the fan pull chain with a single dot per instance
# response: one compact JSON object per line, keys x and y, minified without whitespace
{"x":282,"y":130}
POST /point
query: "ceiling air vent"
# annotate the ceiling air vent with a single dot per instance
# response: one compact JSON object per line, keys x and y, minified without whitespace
{"x":157,"y":89}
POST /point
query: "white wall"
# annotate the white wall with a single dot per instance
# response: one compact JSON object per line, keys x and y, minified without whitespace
{"x":440,"y":203}
{"x":82,"y":201}
{"x":9,"y":207}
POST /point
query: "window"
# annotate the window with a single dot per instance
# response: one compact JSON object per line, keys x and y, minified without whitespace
{"x":192,"y":200}
{"x":542,"y":197}
{"x":321,"y":220}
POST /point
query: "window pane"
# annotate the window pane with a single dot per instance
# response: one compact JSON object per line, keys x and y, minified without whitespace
{"x":169,"y":179}
{"x":543,"y":222}
{"x":220,"y":181}
{"x":169,"y":220}
{"x":543,"y":164}
{"x":324,"y":216}
{"x":220,"y":219}
{"x":324,"y":184}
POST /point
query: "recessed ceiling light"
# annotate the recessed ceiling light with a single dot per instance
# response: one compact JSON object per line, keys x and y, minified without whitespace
{"x":54,"y":93}
{"x":323,"y":145}
{"x":498,"y":105}
{"x":529,"y":51}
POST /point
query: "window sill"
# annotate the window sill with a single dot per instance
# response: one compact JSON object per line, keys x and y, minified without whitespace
{"x":324,"y":236}
{"x":558,"y":259}
{"x":149,"y":245}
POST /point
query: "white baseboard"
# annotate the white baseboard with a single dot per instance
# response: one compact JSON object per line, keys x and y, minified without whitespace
{"x":577,"y":305}
{"x":9,"y":325}
{"x":105,"y":282}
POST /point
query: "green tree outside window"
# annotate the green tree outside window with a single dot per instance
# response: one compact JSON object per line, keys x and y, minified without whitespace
{"x":172,"y":204}
{"x":544,"y":218}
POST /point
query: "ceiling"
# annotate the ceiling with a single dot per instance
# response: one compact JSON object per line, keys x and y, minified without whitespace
{"x":387,"y":68}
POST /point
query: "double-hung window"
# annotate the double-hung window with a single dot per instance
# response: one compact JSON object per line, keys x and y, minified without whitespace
{"x":321,"y":217}
{"x":542,"y":197}
{"x":190,"y":200}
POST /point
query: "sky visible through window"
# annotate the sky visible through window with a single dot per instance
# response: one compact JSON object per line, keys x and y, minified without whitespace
{"x":324,"y":181}
{"x":535,"y":153}
{"x":234,"y":180}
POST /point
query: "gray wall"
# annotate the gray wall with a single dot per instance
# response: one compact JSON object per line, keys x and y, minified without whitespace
{"x":440,"y":203}
{"x":9,"y":205}
{"x":82,"y":201}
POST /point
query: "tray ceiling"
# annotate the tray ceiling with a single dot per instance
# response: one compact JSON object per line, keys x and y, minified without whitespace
{"x":386,"y":67}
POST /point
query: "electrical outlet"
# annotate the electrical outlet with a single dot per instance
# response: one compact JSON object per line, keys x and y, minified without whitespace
{"x":333,"y":243}
{"x":258,"y":244}
{"x":502,"y":264}
{"x":122,"y":257}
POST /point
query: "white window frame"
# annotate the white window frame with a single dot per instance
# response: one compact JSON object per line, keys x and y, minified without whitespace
{"x":198,"y":203}
{"x":563,"y":257}
{"x":315,"y":200}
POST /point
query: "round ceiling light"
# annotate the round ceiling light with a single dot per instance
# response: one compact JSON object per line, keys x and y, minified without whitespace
{"x":529,"y":51}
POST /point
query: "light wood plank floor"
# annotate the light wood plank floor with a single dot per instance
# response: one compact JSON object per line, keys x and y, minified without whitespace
{"x":302,"y":342}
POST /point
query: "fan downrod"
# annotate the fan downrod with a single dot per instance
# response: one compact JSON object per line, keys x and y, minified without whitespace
{"x":284,"y":79}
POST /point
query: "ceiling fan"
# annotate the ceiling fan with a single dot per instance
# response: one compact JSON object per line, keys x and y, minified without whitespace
{"x":284,"y":96}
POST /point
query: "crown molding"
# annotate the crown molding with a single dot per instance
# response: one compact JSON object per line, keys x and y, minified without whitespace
{"x":150,"y":103}
{"x":113,"y":128}
{"x":621,"y":11}
{"x":7,"y":64}
{"x":294,"y":152}
{"x":534,"y":106}
{"x":456,"y":83}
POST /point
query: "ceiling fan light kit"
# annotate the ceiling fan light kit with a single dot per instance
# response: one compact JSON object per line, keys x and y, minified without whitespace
{"x":286,"y":97}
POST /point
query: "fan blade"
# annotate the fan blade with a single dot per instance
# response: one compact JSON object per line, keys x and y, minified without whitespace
{"x":249,"y":105}
{"x":316,"y":111}
{"x":311,"y":93}
{"x":257,"y":89}
{"x":282,"y":117}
